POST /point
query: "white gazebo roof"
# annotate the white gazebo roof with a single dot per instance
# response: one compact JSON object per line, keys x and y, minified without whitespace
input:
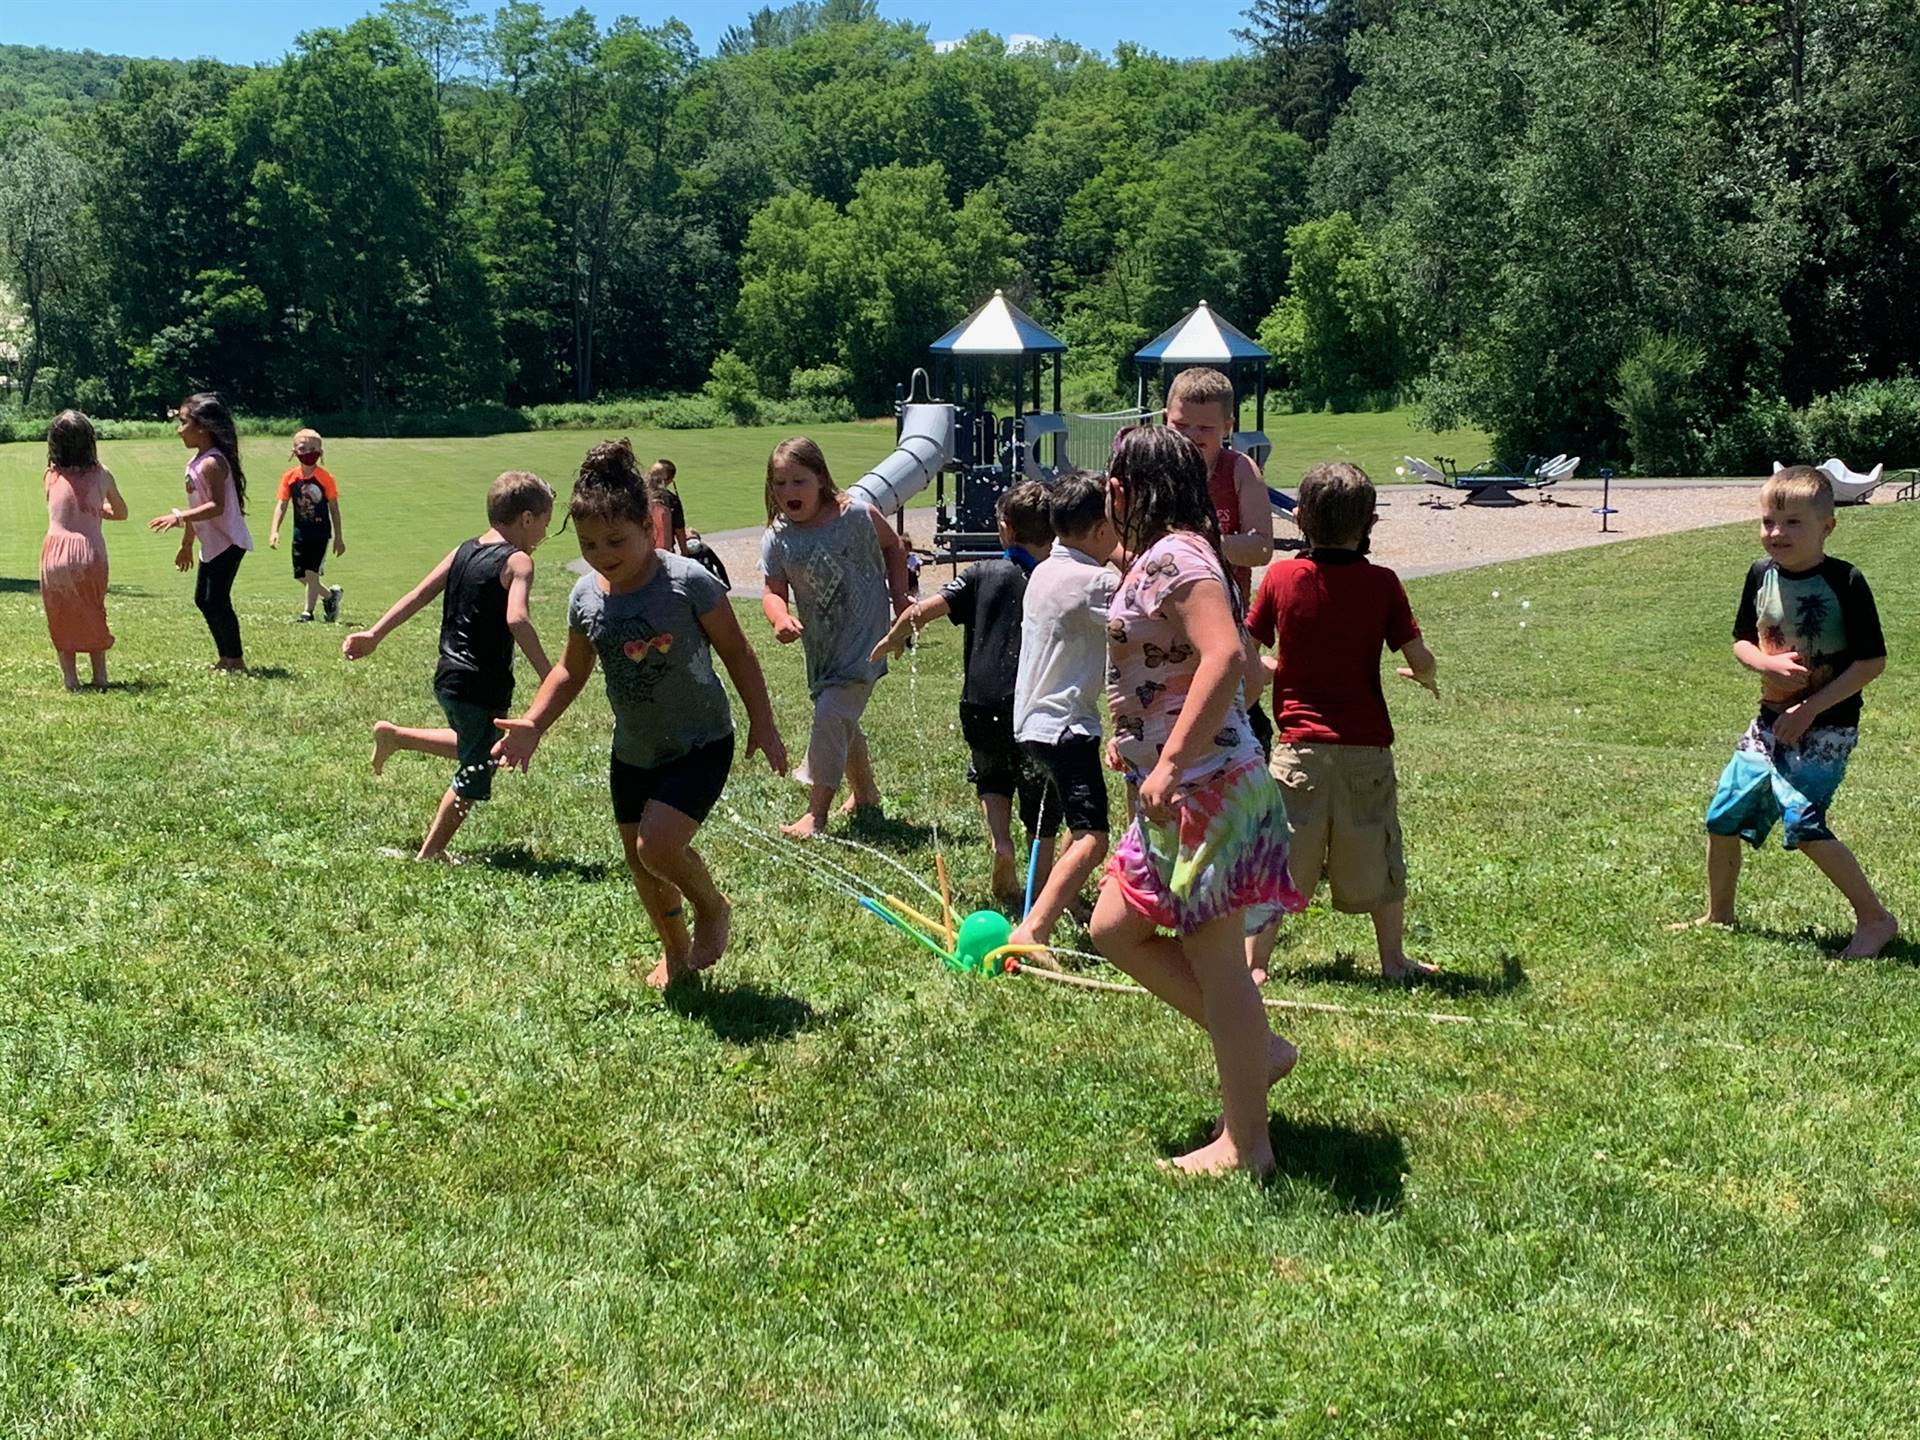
{"x":1202,"y":338}
{"x":998,"y":327}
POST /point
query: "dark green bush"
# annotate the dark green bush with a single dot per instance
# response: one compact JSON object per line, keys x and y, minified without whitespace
{"x":1866,"y":424}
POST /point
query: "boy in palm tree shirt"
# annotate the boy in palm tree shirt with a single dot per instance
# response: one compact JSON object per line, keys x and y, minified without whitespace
{"x":1808,"y":627}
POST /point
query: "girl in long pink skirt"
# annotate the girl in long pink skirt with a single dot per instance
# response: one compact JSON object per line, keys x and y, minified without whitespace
{"x":73,"y":560}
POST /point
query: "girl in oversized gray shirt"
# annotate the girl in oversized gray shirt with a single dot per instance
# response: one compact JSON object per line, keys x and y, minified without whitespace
{"x":653,"y":622}
{"x":838,"y":558}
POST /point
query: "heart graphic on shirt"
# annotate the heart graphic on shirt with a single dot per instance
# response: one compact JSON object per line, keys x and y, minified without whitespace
{"x":637,"y":650}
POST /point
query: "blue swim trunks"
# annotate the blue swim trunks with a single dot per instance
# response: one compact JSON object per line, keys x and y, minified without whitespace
{"x":1767,"y":781}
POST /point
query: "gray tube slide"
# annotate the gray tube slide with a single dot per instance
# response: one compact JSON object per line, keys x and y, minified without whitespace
{"x":926,"y":445}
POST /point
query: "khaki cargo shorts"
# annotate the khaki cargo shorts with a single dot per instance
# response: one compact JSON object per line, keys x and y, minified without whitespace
{"x":1343,"y":819}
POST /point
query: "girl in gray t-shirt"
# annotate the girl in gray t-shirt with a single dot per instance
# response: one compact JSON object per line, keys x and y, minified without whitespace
{"x":654,"y":621}
{"x":839,"y":560}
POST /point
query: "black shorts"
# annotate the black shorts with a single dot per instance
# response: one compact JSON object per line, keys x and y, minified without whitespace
{"x":309,"y":554}
{"x":996,"y":765}
{"x":474,"y":734}
{"x":691,"y":784}
{"x":1076,"y":780}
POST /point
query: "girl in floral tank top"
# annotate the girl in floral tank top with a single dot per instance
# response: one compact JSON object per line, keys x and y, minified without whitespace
{"x":1206,"y":856}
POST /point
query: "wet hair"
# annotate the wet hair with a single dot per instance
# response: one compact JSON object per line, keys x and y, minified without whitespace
{"x":1077,"y":504}
{"x":1165,"y":479}
{"x":611,"y":487}
{"x":1203,"y":387}
{"x":1799,"y":485}
{"x":70,"y":442}
{"x":1026,"y":510}
{"x":515,"y":493}
{"x":808,"y":456}
{"x":210,"y":413}
{"x":1337,"y":502}
{"x":662,"y":471}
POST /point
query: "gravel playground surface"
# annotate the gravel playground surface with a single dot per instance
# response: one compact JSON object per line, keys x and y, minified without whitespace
{"x":1424,"y":530}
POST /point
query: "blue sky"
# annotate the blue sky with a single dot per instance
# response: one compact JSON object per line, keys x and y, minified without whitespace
{"x":245,"y":31}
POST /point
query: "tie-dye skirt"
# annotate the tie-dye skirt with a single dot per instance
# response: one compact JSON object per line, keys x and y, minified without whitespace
{"x":1224,"y":850}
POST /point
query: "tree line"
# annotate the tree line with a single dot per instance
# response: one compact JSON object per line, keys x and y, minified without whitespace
{"x":1684,"y":232}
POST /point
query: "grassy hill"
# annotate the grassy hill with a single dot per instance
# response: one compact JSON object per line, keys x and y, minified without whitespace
{"x":301,"y":1140}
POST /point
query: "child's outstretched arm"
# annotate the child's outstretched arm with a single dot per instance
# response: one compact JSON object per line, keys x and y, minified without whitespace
{"x":722,"y":629}
{"x":113,"y":504}
{"x":363,"y":643}
{"x":339,"y":535}
{"x":273,"y":530}
{"x":893,"y":555}
{"x":1205,"y":621}
{"x":910,"y":621}
{"x":559,"y":690}
{"x":773,"y":604}
{"x":519,"y":573}
{"x":1421,"y":667}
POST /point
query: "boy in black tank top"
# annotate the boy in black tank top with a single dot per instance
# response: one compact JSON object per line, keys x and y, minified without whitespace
{"x":485,"y":582}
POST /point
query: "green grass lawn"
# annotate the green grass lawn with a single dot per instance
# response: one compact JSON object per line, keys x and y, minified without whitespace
{"x":299,"y":1140}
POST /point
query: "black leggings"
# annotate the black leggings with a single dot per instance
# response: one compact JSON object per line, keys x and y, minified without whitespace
{"x":213,"y":595}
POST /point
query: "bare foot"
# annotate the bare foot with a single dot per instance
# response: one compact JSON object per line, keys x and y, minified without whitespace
{"x":1870,"y":937}
{"x":1698,"y":922}
{"x":1220,"y":1157}
{"x":1006,"y":875}
{"x":711,"y":932}
{"x":671,"y":970}
{"x":806,"y":827}
{"x":1405,"y":969}
{"x":1282,"y":1056}
{"x":385,"y":742}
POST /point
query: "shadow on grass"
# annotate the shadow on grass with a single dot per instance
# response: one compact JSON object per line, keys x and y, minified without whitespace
{"x":1828,"y":944}
{"x":741,"y":1014}
{"x":1345,"y":970}
{"x":1361,"y":1168}
{"x":11,"y":586}
{"x":138,"y":686}
{"x":522,"y":861}
{"x":887,"y":830}
{"x":269,"y":672}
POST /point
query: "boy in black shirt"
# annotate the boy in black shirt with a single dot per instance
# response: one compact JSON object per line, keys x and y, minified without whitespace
{"x":1808,"y":627}
{"x":486,"y":581}
{"x":985,"y":600}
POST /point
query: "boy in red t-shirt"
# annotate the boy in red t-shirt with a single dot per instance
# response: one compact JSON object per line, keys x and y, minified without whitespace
{"x":316,"y":520}
{"x":1327,"y":613}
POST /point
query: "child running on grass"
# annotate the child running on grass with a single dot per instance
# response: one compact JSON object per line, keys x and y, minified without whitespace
{"x":485,"y":582}
{"x":1056,"y":703}
{"x":654,"y":620}
{"x":216,"y":516}
{"x":985,"y":600}
{"x":843,"y":564}
{"x":315,"y":499}
{"x":1209,"y":842}
{"x":1808,"y":627}
{"x":73,"y":558}
{"x":1328,"y":613}
{"x":661,"y":476}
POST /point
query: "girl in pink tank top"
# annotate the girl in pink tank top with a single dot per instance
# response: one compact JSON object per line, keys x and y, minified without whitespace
{"x":216,"y":514}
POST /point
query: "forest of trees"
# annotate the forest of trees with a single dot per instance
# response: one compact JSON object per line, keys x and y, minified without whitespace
{"x":1680,"y":232}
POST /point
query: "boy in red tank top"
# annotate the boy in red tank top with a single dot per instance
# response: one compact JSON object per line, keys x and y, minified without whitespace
{"x":1328,"y":613}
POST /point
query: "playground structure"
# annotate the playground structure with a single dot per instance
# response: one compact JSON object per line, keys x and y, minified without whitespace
{"x":1850,"y":487}
{"x":1485,"y":485}
{"x":999,"y":355}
